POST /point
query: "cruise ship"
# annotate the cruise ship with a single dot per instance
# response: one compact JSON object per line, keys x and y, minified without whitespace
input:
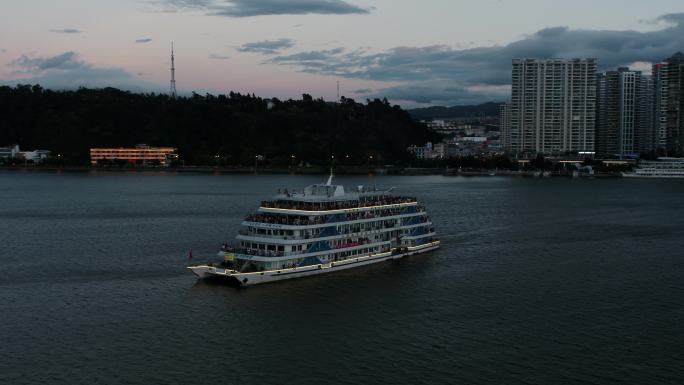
{"x":661,"y":168}
{"x":322,"y":229}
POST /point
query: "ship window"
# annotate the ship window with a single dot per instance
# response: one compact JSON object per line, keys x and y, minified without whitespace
{"x":271,"y":247}
{"x":281,"y":248}
{"x":261,"y":247}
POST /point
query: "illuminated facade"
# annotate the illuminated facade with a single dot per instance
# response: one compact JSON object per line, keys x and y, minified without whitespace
{"x":141,"y":154}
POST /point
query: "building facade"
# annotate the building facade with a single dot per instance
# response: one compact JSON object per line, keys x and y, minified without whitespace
{"x":553,"y":106}
{"x":624,"y":123}
{"x":141,"y":154}
{"x":660,"y":105}
{"x":429,"y":151}
{"x":504,"y":123}
{"x":14,"y":153}
{"x":675,"y":105}
{"x":10,"y":152}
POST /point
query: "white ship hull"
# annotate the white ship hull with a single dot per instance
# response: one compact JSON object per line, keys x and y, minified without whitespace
{"x":630,"y":175}
{"x":249,"y":279}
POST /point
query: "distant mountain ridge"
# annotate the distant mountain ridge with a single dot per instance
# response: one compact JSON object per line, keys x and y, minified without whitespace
{"x":440,"y":112}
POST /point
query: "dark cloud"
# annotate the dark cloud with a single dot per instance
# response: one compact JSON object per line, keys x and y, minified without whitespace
{"x":145,"y":40}
{"x":65,"y":61}
{"x":267,"y":47}
{"x":65,"y":30}
{"x":328,"y":62}
{"x":248,"y":8}
{"x":217,"y":56}
{"x":436,"y":93}
{"x":363,"y":91}
{"x":477,"y":73}
{"x":674,"y":18}
{"x":67,"y":71}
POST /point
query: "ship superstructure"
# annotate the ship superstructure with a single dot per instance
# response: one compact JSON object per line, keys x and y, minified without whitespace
{"x":661,"y":168}
{"x":323,"y":228}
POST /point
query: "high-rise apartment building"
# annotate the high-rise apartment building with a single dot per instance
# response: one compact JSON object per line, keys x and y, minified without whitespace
{"x":504,"y":123}
{"x":647,"y":136}
{"x":675,"y":104}
{"x":668,"y":80}
{"x":624,"y":124}
{"x":553,"y":106}
{"x":660,"y":105}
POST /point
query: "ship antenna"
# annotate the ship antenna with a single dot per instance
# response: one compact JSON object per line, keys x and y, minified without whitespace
{"x":173,"y":74}
{"x":330,"y":178}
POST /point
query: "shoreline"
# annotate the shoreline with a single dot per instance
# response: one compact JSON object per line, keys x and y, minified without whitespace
{"x":340,"y":170}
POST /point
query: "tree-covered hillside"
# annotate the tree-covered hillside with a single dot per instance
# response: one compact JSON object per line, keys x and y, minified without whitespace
{"x":437,"y":112}
{"x":233,"y":127}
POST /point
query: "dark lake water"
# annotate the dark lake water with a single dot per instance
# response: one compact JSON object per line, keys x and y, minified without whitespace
{"x":537,"y":282}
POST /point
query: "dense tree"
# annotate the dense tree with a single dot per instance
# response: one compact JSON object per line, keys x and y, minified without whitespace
{"x":227,"y":129}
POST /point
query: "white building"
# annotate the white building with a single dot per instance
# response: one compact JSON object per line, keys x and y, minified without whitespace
{"x":429,"y":151}
{"x":35,"y":156}
{"x":553,"y":105}
{"x":10,"y":152}
{"x":14,"y":152}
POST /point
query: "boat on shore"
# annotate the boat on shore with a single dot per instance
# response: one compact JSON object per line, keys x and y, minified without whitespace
{"x":322,"y":229}
{"x":668,"y":168}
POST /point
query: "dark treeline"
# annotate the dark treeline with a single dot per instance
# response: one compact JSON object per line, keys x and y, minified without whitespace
{"x":227,"y":129}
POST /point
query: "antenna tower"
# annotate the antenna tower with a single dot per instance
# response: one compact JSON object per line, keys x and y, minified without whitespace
{"x":173,"y":74}
{"x":338,"y":91}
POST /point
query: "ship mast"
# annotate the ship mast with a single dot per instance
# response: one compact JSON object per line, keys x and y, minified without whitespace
{"x":329,"y":183}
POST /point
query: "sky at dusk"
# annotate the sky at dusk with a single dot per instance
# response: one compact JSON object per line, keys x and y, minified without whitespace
{"x":431,"y":52}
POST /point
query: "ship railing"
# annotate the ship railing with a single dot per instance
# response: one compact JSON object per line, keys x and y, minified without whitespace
{"x":339,"y":218}
{"x":357,"y":231}
{"x":284,"y":220}
{"x":330,"y":206}
{"x":262,"y":253}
